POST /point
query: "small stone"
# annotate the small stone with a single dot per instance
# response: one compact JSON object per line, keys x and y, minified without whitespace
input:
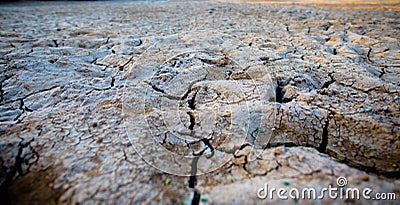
{"x":204,"y":199}
{"x":279,"y":150}
{"x":364,"y":178}
{"x":286,"y":182}
{"x":336,"y":118}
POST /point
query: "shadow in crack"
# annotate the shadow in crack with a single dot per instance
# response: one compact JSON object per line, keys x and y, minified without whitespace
{"x":33,"y":188}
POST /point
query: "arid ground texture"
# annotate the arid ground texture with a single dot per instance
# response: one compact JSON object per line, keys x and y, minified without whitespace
{"x":179,"y":102}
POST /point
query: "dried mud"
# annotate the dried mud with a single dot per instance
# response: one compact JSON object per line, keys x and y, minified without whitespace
{"x":93,"y":93}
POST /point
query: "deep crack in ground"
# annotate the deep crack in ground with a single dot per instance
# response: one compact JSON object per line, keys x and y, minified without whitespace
{"x":62,"y":83}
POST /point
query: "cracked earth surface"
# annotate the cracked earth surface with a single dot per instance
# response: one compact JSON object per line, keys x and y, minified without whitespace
{"x":261,"y":92}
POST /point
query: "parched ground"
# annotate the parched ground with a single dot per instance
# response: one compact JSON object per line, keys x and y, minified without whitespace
{"x":243,"y":94}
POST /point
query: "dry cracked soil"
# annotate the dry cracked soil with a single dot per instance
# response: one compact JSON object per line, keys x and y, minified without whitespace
{"x":180,"y":102}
